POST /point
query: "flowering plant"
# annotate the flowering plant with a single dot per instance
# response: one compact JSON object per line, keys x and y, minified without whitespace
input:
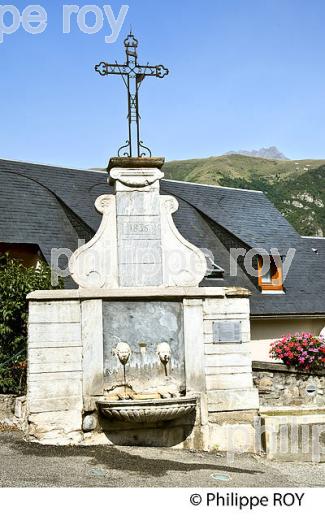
{"x":303,"y":350}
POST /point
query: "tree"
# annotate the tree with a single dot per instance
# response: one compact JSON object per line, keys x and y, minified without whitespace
{"x":16,"y":281}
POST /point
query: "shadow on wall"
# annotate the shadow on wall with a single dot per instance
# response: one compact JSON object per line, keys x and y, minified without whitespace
{"x":160,"y":434}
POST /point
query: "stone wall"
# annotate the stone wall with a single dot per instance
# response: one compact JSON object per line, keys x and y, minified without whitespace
{"x":228,"y":365}
{"x":55,"y":371}
{"x":7,"y":408}
{"x":232,"y":399}
{"x":132,"y":322}
{"x":12,"y":411}
{"x":281,"y":386}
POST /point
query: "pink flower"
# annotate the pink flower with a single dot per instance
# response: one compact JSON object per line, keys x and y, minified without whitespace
{"x":302,"y":349}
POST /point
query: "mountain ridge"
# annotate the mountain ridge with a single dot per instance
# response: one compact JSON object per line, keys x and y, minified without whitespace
{"x":271,"y":152}
{"x":296,"y":188}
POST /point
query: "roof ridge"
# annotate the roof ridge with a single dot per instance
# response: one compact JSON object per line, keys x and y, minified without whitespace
{"x":33,"y":163}
{"x":212,"y":185}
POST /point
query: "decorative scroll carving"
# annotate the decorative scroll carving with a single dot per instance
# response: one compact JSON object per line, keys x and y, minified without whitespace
{"x":100,"y":263}
{"x":94,"y":265}
{"x":184,"y":264}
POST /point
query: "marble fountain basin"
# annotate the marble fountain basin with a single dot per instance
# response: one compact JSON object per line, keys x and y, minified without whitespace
{"x":147,"y":411}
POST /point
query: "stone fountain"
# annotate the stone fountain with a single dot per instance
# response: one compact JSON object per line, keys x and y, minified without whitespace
{"x":139,"y":354}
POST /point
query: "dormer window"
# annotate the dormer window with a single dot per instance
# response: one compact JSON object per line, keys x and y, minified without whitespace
{"x":270,"y":274}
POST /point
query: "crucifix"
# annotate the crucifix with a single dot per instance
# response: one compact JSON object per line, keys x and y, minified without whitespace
{"x":133,"y":75}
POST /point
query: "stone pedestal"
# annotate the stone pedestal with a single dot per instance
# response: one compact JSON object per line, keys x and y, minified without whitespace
{"x":67,"y":372}
{"x":139,"y":327}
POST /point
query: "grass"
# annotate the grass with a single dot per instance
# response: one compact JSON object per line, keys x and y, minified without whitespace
{"x":297,"y":188}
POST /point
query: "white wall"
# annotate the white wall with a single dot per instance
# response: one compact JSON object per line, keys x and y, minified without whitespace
{"x":266,"y":330}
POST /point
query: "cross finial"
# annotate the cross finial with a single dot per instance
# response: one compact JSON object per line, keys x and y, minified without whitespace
{"x":133,"y":75}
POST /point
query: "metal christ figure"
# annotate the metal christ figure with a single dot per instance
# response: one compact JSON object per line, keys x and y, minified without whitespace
{"x":132,"y":74}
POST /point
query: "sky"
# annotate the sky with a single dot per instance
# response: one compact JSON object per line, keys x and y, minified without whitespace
{"x":244,"y":74}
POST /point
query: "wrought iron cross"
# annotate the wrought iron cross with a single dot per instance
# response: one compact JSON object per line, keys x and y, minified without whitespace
{"x":132,"y":74}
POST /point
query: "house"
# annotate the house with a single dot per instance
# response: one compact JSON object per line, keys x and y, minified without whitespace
{"x":44,"y":207}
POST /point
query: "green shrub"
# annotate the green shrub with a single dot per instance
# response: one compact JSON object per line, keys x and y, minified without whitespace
{"x":16,"y":281}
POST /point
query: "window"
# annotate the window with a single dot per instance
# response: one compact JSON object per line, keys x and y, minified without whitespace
{"x":28,"y":254}
{"x":270,"y":276}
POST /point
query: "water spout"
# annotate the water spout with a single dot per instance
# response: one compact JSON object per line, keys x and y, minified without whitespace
{"x":123,"y":353}
{"x":164,"y":353}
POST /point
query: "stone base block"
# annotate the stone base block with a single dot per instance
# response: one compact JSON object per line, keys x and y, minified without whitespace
{"x":55,"y":438}
{"x":238,"y":399}
{"x":55,"y":427}
{"x":233,"y":431}
{"x":295,"y":437}
{"x":232,"y":438}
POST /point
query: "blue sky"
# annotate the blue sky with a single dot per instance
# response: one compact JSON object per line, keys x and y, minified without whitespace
{"x":243,"y":74}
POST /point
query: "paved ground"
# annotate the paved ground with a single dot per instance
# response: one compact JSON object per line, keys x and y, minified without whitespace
{"x":31,"y":465}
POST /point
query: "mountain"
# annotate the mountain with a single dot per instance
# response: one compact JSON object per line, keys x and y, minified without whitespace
{"x":296,"y":188}
{"x":265,"y":153}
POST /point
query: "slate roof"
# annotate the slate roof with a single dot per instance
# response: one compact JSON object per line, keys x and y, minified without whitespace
{"x":247,"y":214}
{"x":54,"y":207}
